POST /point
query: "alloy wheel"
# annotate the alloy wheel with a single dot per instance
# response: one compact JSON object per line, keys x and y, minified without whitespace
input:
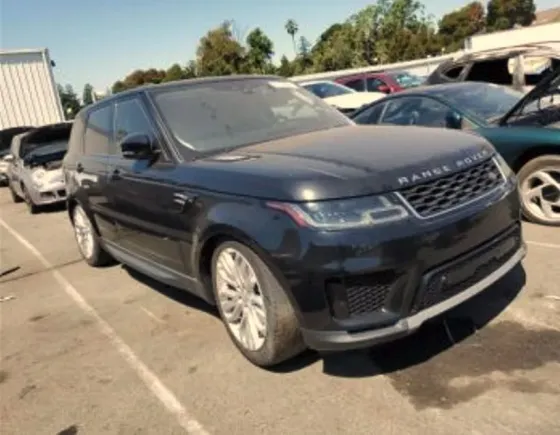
{"x":540,"y":193}
{"x":241,"y":299}
{"x":83,"y":231}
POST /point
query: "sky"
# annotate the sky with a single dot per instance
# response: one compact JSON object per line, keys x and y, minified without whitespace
{"x":101,"y":41}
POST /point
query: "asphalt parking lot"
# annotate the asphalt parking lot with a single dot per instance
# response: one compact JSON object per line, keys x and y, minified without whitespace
{"x":108,"y":351}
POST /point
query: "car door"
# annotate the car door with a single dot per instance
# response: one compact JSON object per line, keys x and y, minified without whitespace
{"x":89,"y":168}
{"x":375,"y":84}
{"x":144,"y":200}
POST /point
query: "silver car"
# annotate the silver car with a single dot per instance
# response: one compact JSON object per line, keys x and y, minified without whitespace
{"x":34,"y":173}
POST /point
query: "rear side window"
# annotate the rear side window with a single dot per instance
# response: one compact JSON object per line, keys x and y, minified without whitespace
{"x":130,"y":117}
{"x":75,"y":144}
{"x":357,"y":85}
{"x":99,"y":131}
{"x":454,"y":73}
{"x":373,"y":84}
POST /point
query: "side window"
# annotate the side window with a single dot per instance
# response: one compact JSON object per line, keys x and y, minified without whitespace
{"x":130,"y":117}
{"x":357,"y":85}
{"x":98,"y":134}
{"x":374,"y":84}
{"x":454,"y":73}
{"x":370,"y":115}
{"x":401,"y":111}
{"x":432,"y":113}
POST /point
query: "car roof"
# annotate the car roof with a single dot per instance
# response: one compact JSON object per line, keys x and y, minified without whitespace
{"x":314,"y":82}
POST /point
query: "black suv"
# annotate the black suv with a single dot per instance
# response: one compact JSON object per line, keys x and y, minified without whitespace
{"x":300,"y":226}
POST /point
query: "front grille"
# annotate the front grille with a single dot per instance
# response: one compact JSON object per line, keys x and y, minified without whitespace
{"x":451,"y":191}
{"x":452,"y":279}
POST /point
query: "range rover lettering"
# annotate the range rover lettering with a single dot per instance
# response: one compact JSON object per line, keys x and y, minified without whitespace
{"x":268,"y":203}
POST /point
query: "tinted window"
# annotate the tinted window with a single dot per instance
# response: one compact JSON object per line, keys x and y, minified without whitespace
{"x":98,"y":133}
{"x":373,"y":84}
{"x":357,"y":85}
{"x":213,"y":116}
{"x":401,"y":111}
{"x":370,"y":115}
{"x":407,"y":80}
{"x":431,"y":113}
{"x":454,"y":73}
{"x":130,"y":117}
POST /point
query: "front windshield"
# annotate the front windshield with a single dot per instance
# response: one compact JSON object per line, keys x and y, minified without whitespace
{"x":328,"y":89}
{"x":485,"y":100}
{"x":210,"y":117}
{"x":407,"y":80}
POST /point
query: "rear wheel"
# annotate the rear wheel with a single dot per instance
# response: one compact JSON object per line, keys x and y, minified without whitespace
{"x":87,"y":239}
{"x":539,"y":188}
{"x":254,"y":307}
{"x":31,"y":206}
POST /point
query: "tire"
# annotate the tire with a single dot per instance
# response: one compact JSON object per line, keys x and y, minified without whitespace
{"x":282,"y":339}
{"x":95,"y":255}
{"x":528,"y":178}
{"x":15,"y":197}
{"x":31,"y":206}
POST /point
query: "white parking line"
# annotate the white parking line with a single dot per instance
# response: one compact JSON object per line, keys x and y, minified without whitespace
{"x":544,"y":245}
{"x":152,"y":382}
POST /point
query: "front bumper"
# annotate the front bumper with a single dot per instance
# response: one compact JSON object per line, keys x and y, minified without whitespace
{"x":345,"y":340}
{"x":52,"y":193}
{"x":357,"y":288}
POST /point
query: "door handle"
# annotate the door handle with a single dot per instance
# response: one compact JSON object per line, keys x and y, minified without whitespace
{"x":79,"y":168}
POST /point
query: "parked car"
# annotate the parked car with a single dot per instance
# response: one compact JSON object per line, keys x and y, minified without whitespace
{"x":525,"y":129}
{"x":520,"y":67}
{"x":343,"y":98}
{"x":387,"y":82}
{"x":6,"y":137}
{"x":302,"y":230}
{"x":35,"y":166}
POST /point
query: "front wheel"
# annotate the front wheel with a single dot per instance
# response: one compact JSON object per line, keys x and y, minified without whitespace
{"x":539,"y":188}
{"x":31,"y":206}
{"x":88,"y":241}
{"x":253,"y":306}
{"x":15,"y":197}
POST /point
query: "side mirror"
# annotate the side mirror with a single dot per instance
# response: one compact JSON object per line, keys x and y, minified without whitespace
{"x":385,"y":89}
{"x":8,"y":158}
{"x":454,"y":120}
{"x":137,"y":146}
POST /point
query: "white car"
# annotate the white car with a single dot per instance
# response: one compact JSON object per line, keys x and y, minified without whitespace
{"x":342,"y":97}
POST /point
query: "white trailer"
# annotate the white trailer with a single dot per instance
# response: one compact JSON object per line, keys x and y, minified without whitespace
{"x":28,"y":94}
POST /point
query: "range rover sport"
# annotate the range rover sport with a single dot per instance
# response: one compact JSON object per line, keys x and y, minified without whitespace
{"x":303,"y":228}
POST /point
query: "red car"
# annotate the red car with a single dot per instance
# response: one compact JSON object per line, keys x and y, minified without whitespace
{"x":386,"y":82}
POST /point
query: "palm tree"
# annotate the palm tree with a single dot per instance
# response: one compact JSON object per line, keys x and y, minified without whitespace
{"x":292,"y":29}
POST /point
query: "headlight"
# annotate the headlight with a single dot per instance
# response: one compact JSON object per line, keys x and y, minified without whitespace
{"x":504,"y":167}
{"x":342,"y":214}
{"x":38,"y":175}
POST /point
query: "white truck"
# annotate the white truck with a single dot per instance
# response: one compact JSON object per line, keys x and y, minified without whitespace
{"x":28,"y":94}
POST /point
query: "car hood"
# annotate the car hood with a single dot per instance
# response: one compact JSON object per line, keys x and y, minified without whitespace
{"x":354,"y":100}
{"x":532,"y":95}
{"x":337,"y":163}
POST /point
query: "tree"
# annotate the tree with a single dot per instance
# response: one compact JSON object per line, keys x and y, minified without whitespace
{"x":87,"y":94}
{"x":174,"y":73}
{"x":505,"y":14}
{"x":69,"y":101}
{"x":219,"y":53}
{"x":260,"y":51}
{"x":303,"y":62}
{"x":456,"y":26}
{"x":117,"y":87}
{"x":292,"y":29}
{"x":286,"y":69}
